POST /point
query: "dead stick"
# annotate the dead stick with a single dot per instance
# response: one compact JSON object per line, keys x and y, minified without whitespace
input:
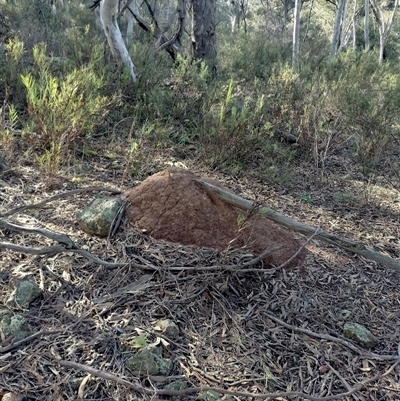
{"x":192,"y":390}
{"x":339,"y":340}
{"x":60,"y":238}
{"x":40,"y":333}
{"x":60,"y":195}
{"x":285,"y":221}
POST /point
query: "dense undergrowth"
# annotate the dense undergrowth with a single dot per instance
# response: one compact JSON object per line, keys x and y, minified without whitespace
{"x":59,"y":88}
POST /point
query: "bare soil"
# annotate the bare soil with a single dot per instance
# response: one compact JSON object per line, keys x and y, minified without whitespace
{"x":242,"y":329}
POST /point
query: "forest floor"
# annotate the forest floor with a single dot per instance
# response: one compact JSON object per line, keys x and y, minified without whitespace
{"x":261,"y":333}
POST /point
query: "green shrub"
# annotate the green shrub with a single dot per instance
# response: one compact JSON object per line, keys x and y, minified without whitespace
{"x":367,"y":97}
{"x":11,"y":66}
{"x":233,"y":129}
{"x":60,"y":110}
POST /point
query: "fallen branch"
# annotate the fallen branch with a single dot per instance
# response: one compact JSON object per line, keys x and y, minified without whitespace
{"x":339,"y":340}
{"x":54,"y":249}
{"x":60,"y":238}
{"x":285,"y":221}
{"x":65,"y":244}
{"x":182,"y":393}
{"x":299,"y":250}
{"x":40,"y":333}
{"x":261,"y":256}
{"x":59,"y":196}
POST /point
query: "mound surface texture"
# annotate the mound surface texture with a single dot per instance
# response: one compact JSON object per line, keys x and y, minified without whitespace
{"x":170,"y":205}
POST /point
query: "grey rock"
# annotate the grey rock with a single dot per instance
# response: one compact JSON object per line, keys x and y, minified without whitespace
{"x":83,"y":168}
{"x":3,"y":164}
{"x":75,"y":382}
{"x":97,"y":217}
{"x":148,"y":362}
{"x":14,"y":325}
{"x":169,"y":328}
{"x":210,"y":395}
{"x":25,"y":291}
{"x":360,"y":334}
{"x":177,"y":385}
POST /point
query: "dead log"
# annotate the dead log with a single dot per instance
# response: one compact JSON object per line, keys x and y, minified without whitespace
{"x":287,"y":222}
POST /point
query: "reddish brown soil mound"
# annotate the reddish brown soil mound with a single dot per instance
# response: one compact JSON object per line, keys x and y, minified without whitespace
{"x":170,"y":205}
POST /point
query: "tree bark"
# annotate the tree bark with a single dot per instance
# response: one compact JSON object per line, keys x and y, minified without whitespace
{"x":336,"y":29}
{"x":366,"y":24}
{"x":170,"y":45}
{"x":353,"y":22}
{"x":279,"y":218}
{"x":108,"y":16}
{"x":344,"y":30}
{"x":384,"y":30}
{"x":204,"y":40}
{"x":296,"y":36}
{"x":129,"y":28}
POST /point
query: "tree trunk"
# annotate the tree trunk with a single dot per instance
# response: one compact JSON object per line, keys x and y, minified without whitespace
{"x":108,"y":16}
{"x":204,"y":40}
{"x":344,"y":30}
{"x":366,"y":25}
{"x":354,"y":25}
{"x":287,"y":222}
{"x":235,"y":15}
{"x":336,"y":29}
{"x":384,"y":30}
{"x":170,"y":45}
{"x":296,"y":36}
{"x":129,"y":28}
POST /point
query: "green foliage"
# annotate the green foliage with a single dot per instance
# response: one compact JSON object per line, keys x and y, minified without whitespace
{"x":139,"y":342}
{"x":306,"y":198}
{"x":367,"y":97}
{"x":234,"y":129}
{"x":8,"y":125}
{"x":230,"y":121}
{"x":249,"y":57}
{"x":60,"y":109}
{"x":10,"y":69}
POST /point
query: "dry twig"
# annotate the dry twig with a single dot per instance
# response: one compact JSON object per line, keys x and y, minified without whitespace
{"x":182,"y":393}
{"x":339,"y":340}
{"x":40,"y":333}
{"x":285,"y":221}
{"x":61,"y":195}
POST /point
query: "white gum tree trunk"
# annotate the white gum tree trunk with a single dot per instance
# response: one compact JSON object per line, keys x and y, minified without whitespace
{"x":336,"y":29}
{"x":129,"y":28}
{"x":296,"y":36}
{"x":108,"y":17}
{"x":384,"y":28}
{"x":366,"y":24}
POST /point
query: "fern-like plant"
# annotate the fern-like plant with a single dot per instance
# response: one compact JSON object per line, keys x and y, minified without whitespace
{"x":61,"y":109}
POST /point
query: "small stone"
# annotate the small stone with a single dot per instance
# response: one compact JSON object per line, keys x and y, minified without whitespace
{"x":148,"y":362}
{"x":177,"y":385}
{"x":25,"y":291}
{"x":98,"y":216}
{"x":210,"y":395}
{"x":75,"y":382}
{"x":169,"y":328}
{"x":14,"y":325}
{"x":3,"y":164}
{"x":360,"y":334}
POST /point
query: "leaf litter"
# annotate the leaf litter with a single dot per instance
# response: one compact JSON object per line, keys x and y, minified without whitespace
{"x":244,"y":332}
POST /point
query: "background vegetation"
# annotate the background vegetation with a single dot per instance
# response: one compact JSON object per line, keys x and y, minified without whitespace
{"x":60,"y":92}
